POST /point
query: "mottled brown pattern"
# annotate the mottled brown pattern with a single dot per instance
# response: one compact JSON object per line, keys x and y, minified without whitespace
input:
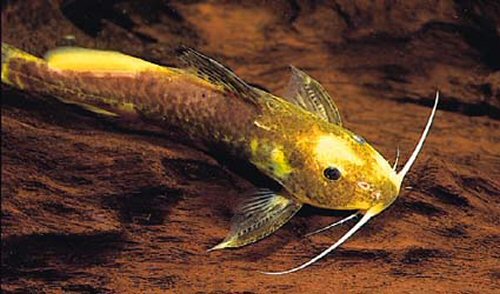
{"x":179,"y":100}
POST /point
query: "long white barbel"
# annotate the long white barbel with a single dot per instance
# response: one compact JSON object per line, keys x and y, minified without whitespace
{"x":346,"y":236}
{"x":418,"y":148}
{"x":369,"y":214}
{"x":337,"y":223}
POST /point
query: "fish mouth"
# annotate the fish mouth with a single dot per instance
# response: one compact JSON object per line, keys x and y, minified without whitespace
{"x":369,"y":191}
{"x":395,"y":181}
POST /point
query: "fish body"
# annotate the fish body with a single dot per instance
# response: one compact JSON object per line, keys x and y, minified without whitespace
{"x":299,"y":141}
{"x":127,"y":86}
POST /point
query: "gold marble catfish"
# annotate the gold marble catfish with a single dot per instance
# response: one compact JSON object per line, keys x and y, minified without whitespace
{"x":298,"y":141}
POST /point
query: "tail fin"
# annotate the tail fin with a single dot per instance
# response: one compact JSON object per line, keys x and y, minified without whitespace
{"x":7,"y":52}
{"x":10,"y":52}
{"x":24,"y":71}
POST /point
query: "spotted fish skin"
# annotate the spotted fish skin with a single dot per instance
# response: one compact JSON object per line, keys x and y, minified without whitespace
{"x":292,"y":140}
{"x":277,"y":136}
{"x":163,"y":96}
{"x":309,"y":144}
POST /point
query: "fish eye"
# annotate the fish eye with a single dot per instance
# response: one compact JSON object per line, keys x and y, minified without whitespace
{"x":332,"y":173}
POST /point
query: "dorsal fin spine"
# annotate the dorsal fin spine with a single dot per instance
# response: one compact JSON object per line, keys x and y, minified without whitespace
{"x":216,"y":73}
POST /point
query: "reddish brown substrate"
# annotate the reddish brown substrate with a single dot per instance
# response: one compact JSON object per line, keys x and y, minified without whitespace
{"x":95,"y":205}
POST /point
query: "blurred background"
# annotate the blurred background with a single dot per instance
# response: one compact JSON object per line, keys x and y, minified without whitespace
{"x":90,"y":205}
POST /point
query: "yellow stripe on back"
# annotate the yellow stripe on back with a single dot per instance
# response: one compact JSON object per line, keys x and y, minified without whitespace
{"x":90,"y":60}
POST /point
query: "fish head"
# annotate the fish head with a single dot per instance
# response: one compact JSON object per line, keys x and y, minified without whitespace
{"x":326,"y":165}
{"x":338,"y":169}
{"x":341,"y":170}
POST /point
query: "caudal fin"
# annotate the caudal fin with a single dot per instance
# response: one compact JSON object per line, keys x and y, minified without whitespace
{"x":9,"y":53}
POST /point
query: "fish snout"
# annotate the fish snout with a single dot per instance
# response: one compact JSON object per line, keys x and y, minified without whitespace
{"x":377,"y":194}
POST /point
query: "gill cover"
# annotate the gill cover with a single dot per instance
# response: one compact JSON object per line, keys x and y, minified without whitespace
{"x":375,"y":209}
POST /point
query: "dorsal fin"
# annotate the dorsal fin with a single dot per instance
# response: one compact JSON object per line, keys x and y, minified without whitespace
{"x":83,"y":59}
{"x":218,"y":74}
{"x":310,"y":95}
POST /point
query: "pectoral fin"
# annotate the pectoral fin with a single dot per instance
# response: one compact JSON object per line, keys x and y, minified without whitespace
{"x":257,"y":217}
{"x":310,"y":95}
